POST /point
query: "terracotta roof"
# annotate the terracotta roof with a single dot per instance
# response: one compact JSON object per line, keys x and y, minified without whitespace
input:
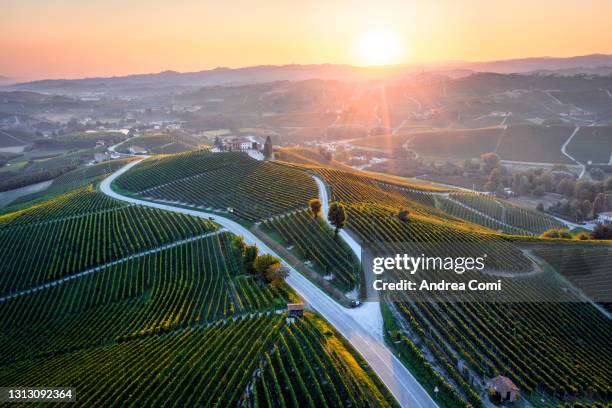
{"x":502,"y":383}
{"x":295,"y":306}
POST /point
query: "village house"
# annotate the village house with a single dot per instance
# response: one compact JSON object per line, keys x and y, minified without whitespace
{"x":238,"y":144}
{"x":100,"y":157}
{"x":605,"y":217}
{"x":502,"y":389}
{"x":137,"y":150}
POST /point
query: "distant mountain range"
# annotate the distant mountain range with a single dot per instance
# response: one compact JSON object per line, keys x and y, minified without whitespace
{"x":4,"y":80}
{"x":167,"y":80}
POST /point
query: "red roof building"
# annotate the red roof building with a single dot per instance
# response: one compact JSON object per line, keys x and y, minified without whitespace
{"x":503,"y":389}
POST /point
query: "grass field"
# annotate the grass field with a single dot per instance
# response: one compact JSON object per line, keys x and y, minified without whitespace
{"x":592,"y":143}
{"x":544,"y":143}
{"x":455,"y":143}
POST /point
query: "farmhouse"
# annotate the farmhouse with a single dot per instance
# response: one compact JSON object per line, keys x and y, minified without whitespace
{"x":100,"y":157}
{"x":502,"y":389}
{"x":295,"y":309}
{"x":237,"y":144}
{"x":137,"y":150}
{"x":605,"y":217}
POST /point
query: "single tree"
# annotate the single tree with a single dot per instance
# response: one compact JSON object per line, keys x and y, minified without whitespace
{"x":599,"y":205}
{"x":489,"y":161}
{"x":267,"y":150}
{"x":263,"y":262}
{"x":587,"y":208}
{"x":238,"y":244}
{"x":336,"y":216}
{"x":276,"y":274}
{"x":315,"y":207}
{"x":249,"y":254}
{"x":602,"y":231}
{"x":403,"y":214}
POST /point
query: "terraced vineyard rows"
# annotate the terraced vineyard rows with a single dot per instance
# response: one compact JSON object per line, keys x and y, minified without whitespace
{"x":517,"y":219}
{"x":496,"y":338}
{"x":315,"y":242}
{"x":195,"y":282}
{"x":76,"y":202}
{"x":311,"y":367}
{"x":217,"y":360}
{"x":65,"y":183}
{"x":349,"y":188}
{"x":472,"y":215}
{"x":554,"y":347}
{"x":253,"y":190}
{"x":81,"y":230}
{"x":154,"y":327}
{"x":586,"y":266}
{"x":379,"y":228}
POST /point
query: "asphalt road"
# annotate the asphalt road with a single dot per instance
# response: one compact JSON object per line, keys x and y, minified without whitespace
{"x":360,"y":326}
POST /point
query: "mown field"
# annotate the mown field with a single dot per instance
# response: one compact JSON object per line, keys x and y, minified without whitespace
{"x":592,"y":143}
{"x":457,"y":143}
{"x":543,"y":143}
{"x":509,"y":143}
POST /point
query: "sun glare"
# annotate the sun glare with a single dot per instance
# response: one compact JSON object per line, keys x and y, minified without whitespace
{"x":380,"y":47}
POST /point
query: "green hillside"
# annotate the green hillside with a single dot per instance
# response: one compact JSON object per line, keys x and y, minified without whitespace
{"x":250,"y":189}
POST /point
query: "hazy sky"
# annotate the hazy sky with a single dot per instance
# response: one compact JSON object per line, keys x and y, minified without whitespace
{"x":76,"y":38}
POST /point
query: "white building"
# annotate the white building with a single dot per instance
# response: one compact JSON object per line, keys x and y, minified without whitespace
{"x":137,"y":150}
{"x":605,"y":217}
{"x":100,"y":157}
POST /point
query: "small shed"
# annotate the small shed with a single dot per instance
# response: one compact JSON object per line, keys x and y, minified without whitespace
{"x":503,"y":389}
{"x":295,"y":309}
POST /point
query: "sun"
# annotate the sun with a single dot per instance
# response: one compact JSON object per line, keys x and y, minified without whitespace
{"x":379,"y":47}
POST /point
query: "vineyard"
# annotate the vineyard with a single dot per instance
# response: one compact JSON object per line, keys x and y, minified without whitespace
{"x":229,"y":362}
{"x":379,"y":228}
{"x":586,"y":266}
{"x":80,"y":230}
{"x":232,"y":182}
{"x":314,"y":241}
{"x":161,"y":144}
{"x":495,"y":214}
{"x":554,"y":347}
{"x":142,"y":307}
{"x":72,"y":180}
{"x":311,"y":366}
{"x":191,"y":283}
{"x":355,"y":188}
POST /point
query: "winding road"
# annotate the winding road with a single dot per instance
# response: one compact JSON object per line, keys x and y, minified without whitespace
{"x":569,"y":139}
{"x":361,"y":326}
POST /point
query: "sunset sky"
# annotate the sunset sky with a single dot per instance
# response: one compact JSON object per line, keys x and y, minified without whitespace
{"x":77,"y":38}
